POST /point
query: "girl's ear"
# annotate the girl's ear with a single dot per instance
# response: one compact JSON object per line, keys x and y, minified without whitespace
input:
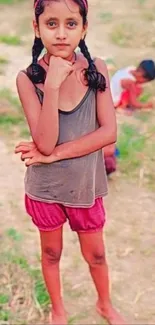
{"x":84,"y":32}
{"x":36,"y":29}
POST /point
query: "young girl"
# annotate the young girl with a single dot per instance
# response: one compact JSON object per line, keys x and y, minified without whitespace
{"x":69,"y":110}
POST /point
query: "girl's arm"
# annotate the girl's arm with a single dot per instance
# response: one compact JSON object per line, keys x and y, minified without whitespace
{"x":43,"y":121}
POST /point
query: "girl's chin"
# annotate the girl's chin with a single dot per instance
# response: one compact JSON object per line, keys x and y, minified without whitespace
{"x":62,"y":54}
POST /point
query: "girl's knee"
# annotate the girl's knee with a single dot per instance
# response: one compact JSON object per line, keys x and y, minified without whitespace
{"x":96,"y":258}
{"x":51,"y":256}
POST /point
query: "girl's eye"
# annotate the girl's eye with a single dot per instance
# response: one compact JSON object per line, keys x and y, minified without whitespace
{"x":72,"y":24}
{"x":51,"y":23}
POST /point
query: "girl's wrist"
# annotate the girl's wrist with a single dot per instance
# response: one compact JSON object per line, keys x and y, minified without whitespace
{"x":56,"y":156}
{"x":50,"y":87}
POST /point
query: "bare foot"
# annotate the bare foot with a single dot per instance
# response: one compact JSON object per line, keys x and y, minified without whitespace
{"x":58,"y":318}
{"x":110,"y":314}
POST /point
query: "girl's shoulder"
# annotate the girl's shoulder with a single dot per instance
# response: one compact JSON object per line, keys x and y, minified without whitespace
{"x":100,"y":65}
{"x":22,"y":77}
{"x":23,"y":81}
{"x":99,"y":62}
{"x":102,"y":68}
{"x":27,"y":91}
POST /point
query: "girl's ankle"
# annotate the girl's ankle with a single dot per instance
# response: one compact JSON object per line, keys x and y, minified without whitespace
{"x":104,"y":304}
{"x":58,"y":309}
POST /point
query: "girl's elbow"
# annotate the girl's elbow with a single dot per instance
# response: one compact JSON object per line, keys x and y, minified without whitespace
{"x":113,"y":135}
{"x":45,"y":150}
{"x":44,"y":147}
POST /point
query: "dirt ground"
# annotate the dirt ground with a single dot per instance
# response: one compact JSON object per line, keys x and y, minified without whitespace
{"x":130,"y":228}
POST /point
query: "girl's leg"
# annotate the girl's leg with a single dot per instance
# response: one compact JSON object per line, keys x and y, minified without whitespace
{"x":93,"y":251}
{"x":51,"y":247}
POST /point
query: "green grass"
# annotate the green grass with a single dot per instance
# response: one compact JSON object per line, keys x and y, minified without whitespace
{"x":3,"y":61}
{"x":136,"y":145}
{"x":7,"y":95}
{"x":11,"y":113}
{"x":24,"y":282}
{"x":142,"y":116}
{"x":4,"y":299}
{"x":105,"y":17}
{"x":10,"y":40}
{"x":131,"y":144}
{"x":149,"y":15}
{"x":9,"y":2}
{"x":14,"y":234}
{"x":122,"y":35}
{"x":14,"y":257}
{"x":5,"y":2}
{"x":12,"y":119}
{"x":9,"y":120}
{"x":145,"y":97}
{"x":4,"y":315}
{"x":40,"y":293}
{"x":78,"y":317}
{"x":24,"y":132}
{"x":141,"y":2}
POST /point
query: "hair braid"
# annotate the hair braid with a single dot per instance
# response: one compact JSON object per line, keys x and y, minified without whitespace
{"x":94,"y":78}
{"x":35,"y":72}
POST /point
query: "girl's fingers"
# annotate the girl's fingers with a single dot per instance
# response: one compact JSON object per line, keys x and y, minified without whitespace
{"x":27,"y":155}
{"x":24,"y":143}
{"x":24,"y":146}
{"x":31,"y":161}
{"x":22,"y":149}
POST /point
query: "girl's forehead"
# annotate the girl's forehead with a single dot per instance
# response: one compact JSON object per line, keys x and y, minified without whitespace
{"x":61,"y":8}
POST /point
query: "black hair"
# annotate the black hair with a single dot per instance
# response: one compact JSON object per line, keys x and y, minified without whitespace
{"x":148,"y":68}
{"x":37,"y":74}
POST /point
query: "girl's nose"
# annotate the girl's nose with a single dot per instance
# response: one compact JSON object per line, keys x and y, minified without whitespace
{"x":61,"y":33}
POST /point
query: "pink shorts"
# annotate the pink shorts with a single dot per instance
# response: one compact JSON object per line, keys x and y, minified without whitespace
{"x":51,"y":216}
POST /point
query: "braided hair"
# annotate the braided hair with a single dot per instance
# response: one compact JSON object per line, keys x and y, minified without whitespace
{"x":95,"y":80}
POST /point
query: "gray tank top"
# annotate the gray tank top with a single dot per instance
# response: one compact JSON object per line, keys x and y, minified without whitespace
{"x":75,"y":182}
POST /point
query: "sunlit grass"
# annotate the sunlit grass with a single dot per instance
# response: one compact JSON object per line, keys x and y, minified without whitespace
{"x":12,"y":40}
{"x":9,"y":2}
{"x":122,"y":35}
{"x":105,"y":17}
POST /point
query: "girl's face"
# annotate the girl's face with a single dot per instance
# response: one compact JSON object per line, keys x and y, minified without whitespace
{"x":60,"y":27}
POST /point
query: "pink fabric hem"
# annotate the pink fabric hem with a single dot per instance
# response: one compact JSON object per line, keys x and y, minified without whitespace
{"x":90,"y":231}
{"x":50,"y":229}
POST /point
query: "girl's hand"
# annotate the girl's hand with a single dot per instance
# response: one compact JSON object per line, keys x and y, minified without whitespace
{"x":24,"y":147}
{"x":58,"y":71}
{"x":32,"y":155}
{"x":35,"y":157}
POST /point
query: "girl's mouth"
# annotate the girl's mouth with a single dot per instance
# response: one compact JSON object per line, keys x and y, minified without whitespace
{"x":61,"y":45}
